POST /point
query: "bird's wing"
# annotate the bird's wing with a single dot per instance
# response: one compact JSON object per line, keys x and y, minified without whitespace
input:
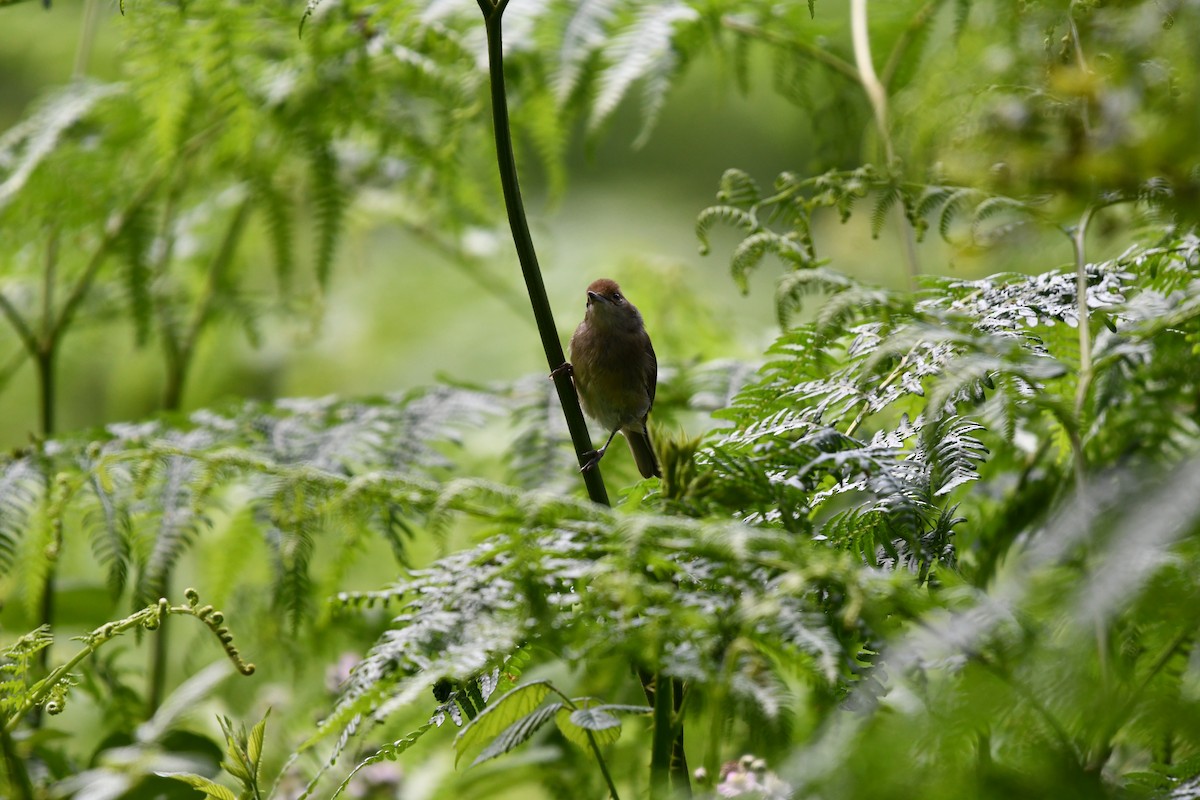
{"x":651,"y":376}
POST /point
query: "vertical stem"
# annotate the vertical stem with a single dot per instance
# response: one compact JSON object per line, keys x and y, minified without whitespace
{"x":877,"y":95}
{"x":48,"y":343}
{"x":608,"y":781}
{"x":866,"y":73}
{"x":660,"y":750}
{"x":158,"y":658}
{"x":87,"y":36}
{"x":532,"y":273}
{"x":44,"y":360}
{"x":18,"y":776}
{"x":1078,"y":244}
{"x":681,"y":779}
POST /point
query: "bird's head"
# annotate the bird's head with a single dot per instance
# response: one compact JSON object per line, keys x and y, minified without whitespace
{"x":607,"y":306}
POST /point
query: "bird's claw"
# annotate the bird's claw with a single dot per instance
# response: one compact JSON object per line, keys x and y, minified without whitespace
{"x":564,"y":367}
{"x":593,"y":459}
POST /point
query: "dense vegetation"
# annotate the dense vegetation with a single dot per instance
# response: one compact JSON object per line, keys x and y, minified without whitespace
{"x":941,"y":539}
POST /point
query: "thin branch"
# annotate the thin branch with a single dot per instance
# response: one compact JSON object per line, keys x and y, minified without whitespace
{"x":824,"y":57}
{"x":482,"y":277}
{"x":866,"y":73}
{"x":523,"y":241}
{"x":28,"y":339}
{"x":216,"y":274}
{"x":112,"y":233}
{"x":905,"y":40}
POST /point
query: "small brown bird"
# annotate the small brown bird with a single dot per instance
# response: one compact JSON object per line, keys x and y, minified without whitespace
{"x":616,"y":372}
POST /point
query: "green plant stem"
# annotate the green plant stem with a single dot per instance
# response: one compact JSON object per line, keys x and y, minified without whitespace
{"x":660,"y":750}
{"x":681,"y":779}
{"x":569,"y":703}
{"x":492,"y":15}
{"x":841,"y":67}
{"x":877,"y":95}
{"x":152,"y":615}
{"x":1023,"y":692}
{"x":473,"y":268}
{"x":612,"y":787}
{"x":87,"y":37}
{"x":18,"y":776}
{"x":158,"y":659}
{"x":919,"y":20}
{"x":1078,"y":244}
{"x":180,"y":348}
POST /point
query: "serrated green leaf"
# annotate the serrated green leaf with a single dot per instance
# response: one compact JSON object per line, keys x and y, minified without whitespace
{"x":499,"y":715}
{"x":255,"y":743}
{"x":518,"y":733}
{"x":209,"y":788}
{"x":577,"y":733}
{"x":594,"y":719}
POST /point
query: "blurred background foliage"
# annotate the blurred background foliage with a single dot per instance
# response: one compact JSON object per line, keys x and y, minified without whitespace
{"x":211,"y":210}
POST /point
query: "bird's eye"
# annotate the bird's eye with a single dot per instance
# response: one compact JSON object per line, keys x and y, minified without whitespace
{"x":617,"y":297}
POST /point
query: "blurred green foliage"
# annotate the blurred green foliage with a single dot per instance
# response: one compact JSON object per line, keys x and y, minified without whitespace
{"x":941,"y":541}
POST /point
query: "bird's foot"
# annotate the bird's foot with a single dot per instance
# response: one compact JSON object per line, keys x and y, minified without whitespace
{"x":593,"y":459}
{"x":562,"y":368}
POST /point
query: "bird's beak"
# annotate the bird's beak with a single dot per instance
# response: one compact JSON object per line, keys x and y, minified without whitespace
{"x":596,"y":297}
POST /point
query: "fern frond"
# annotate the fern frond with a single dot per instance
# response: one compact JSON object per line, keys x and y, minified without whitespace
{"x":177,"y":529}
{"x":137,"y":236}
{"x":643,"y":51}
{"x":329,"y":205}
{"x":27,"y":144}
{"x":278,"y":211}
{"x":752,"y":250}
{"x":582,"y":38}
{"x":883,"y":204}
{"x":111,"y":528}
{"x":795,"y":286}
{"x":291,"y":554}
{"x":21,"y":486}
{"x":727,"y":214}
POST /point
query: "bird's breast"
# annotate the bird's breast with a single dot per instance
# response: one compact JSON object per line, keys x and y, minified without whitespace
{"x":610,"y":375}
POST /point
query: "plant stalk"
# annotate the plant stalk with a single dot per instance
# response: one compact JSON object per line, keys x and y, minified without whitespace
{"x":532,"y":273}
{"x":18,"y":776}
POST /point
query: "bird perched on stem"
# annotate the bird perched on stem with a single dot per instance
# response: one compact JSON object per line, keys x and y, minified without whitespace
{"x":615,"y":372}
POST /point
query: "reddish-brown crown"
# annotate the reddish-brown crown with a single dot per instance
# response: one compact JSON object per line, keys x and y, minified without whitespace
{"x":605,"y":287}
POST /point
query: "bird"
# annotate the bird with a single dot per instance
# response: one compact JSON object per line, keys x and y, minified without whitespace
{"x":615,"y":372}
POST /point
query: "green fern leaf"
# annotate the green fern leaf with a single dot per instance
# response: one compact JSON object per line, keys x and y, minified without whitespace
{"x":584,"y":34}
{"x":886,"y":200}
{"x":643,"y":51}
{"x":278,"y":211}
{"x":727,"y":214}
{"x":27,"y":144}
{"x":329,"y":205}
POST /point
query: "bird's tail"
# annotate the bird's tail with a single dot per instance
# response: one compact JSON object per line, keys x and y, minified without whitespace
{"x":643,"y":452}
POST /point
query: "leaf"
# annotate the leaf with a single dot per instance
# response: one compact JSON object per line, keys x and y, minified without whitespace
{"x":24,"y":146}
{"x":499,"y":715}
{"x":518,"y":733}
{"x":594,"y":719}
{"x":714,"y":214}
{"x":605,"y":728}
{"x":329,"y":200}
{"x":254,"y":743}
{"x":642,"y":51}
{"x":209,"y":788}
{"x":887,"y":199}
